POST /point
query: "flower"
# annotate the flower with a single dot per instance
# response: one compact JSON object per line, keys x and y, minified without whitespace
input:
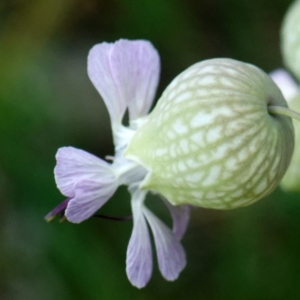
{"x":126,"y":74}
{"x":220,"y":137}
{"x":291,"y":92}
{"x":290,"y":48}
{"x":290,"y":38}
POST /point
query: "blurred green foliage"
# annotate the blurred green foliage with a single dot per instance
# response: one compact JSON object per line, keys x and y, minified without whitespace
{"x":47,"y":101}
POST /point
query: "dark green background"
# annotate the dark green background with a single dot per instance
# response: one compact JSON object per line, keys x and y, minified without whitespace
{"x":47,"y":101}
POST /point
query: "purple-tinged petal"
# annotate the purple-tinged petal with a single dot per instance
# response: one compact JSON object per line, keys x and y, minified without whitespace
{"x":139,"y":253}
{"x":181,"y":216}
{"x":89,"y":197}
{"x":137,"y":67}
{"x":102,"y":76}
{"x":170,"y":253}
{"x":125,"y":74}
{"x":58,"y":210}
{"x":285,"y":82}
{"x":74,"y":165}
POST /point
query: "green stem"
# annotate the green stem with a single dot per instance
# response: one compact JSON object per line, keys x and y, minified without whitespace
{"x":278,"y":110}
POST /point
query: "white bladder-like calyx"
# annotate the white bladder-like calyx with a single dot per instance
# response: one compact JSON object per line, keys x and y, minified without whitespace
{"x":211,"y":140}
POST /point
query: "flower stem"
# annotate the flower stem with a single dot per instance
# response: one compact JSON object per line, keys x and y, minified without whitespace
{"x":278,"y":110}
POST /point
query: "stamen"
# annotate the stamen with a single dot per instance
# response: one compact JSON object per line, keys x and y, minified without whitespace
{"x":109,"y":157}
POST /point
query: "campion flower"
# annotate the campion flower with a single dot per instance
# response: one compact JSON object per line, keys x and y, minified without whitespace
{"x":290,"y":38}
{"x":219,"y":137}
{"x":290,"y":46}
{"x":126,"y":75}
{"x":291,"y":92}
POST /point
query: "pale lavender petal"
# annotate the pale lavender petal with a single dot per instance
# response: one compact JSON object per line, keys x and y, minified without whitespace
{"x":74,"y":165}
{"x":102,"y":76}
{"x":285,"y":82}
{"x":89,"y":197}
{"x":139,"y":253}
{"x":170,"y":253}
{"x":136,"y":66}
{"x":126,"y":74}
{"x":180,"y":216}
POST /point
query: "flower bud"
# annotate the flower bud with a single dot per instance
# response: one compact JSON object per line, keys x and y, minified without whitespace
{"x":211,"y":141}
{"x":290,"y":39}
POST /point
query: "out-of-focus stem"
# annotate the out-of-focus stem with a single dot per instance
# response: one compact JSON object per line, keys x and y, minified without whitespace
{"x":278,"y":110}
